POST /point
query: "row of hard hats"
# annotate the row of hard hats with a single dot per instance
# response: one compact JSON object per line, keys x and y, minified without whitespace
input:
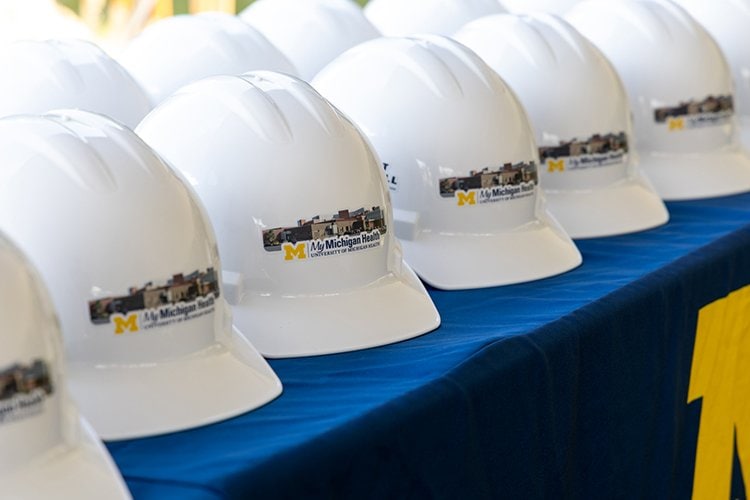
{"x":675,"y":75}
{"x":132,"y":266}
{"x":674,"y":147}
{"x":313,"y":33}
{"x":131,"y":262}
{"x":301,"y":210}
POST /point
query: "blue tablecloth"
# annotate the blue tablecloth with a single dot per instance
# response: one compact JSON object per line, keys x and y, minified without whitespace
{"x":569,"y":387}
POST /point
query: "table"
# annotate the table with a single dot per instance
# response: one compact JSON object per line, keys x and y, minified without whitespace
{"x":570,"y":387}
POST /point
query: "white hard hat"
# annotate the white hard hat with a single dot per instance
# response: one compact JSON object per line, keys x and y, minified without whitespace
{"x":46,"y":449}
{"x":301,"y":211}
{"x":39,"y":20}
{"x":311,"y":33}
{"x":461,"y":161}
{"x":579,"y":111}
{"x":681,"y":93}
{"x":558,"y":7}
{"x":728,"y":22}
{"x":41,"y":76}
{"x":179,"y":50}
{"x":132,"y":266}
{"x":440,"y":17}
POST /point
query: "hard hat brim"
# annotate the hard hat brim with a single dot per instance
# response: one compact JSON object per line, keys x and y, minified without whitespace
{"x":691,"y":177}
{"x":537,"y":250}
{"x":627,"y":206}
{"x":395,"y":308}
{"x":219,"y":382}
{"x":84,"y":471}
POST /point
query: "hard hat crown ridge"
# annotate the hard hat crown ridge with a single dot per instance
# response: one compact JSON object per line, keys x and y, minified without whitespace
{"x":41,"y":76}
{"x":433,"y":68}
{"x":310,"y":32}
{"x":301,"y":210}
{"x":278,"y":89}
{"x":179,"y":50}
{"x":93,"y":173}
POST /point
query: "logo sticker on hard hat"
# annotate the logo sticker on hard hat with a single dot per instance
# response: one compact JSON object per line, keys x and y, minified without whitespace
{"x":345,"y":232}
{"x":509,"y":182}
{"x":709,"y":112}
{"x":599,"y":150}
{"x":23,"y":390}
{"x":181,"y":298}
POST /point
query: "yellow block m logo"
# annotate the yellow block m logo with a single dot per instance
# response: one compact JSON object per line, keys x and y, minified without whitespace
{"x":676,"y":124}
{"x":292,"y":252}
{"x":720,"y":376}
{"x":553,"y":165}
{"x":123,"y":324}
{"x":466,"y":198}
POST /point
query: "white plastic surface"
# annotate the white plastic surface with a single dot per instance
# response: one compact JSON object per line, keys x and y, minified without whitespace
{"x":265,"y":151}
{"x":572,"y":95}
{"x":727,"y":21}
{"x":39,"y":20}
{"x":179,"y":50}
{"x":435,"y":112}
{"x":115,"y":217}
{"x":310,"y":33}
{"x":46,"y":449}
{"x":558,"y":7}
{"x":438,"y":17}
{"x":667,"y":60}
{"x":40,"y":76}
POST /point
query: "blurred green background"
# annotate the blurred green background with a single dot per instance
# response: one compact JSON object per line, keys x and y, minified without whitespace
{"x":180,"y":6}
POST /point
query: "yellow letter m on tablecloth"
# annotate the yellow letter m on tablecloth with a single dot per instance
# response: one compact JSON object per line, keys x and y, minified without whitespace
{"x":721,"y":376}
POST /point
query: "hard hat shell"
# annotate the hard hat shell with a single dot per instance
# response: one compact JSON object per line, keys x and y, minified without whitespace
{"x":727,"y":21}
{"x":558,"y":7}
{"x":439,"y":17}
{"x":179,"y":50}
{"x":302,"y":215}
{"x":461,"y":161}
{"x":580,"y":114}
{"x":47,"y":450}
{"x":681,"y":93}
{"x":39,"y":20}
{"x":39,"y":76}
{"x":133,"y":269}
{"x":311,"y":33}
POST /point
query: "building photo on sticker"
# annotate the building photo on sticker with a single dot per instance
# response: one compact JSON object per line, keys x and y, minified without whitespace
{"x":23,"y":388}
{"x":344,"y":223}
{"x":180,"y":288}
{"x":509,"y":175}
{"x":711,"y":109}
{"x":595,"y":145}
